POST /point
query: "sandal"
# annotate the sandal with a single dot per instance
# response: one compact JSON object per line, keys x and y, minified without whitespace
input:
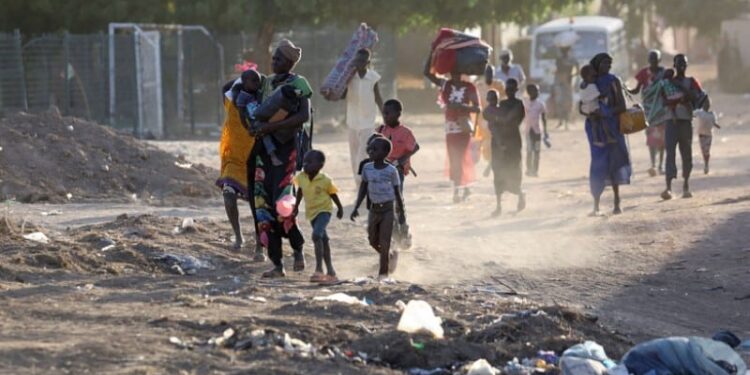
{"x":275,"y":273}
{"x":329,"y":280}
{"x":317,"y":277}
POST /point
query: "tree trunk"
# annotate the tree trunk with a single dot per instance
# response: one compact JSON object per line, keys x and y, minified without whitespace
{"x":263,"y":46}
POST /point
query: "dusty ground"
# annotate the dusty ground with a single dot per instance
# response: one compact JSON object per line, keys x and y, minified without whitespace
{"x":661,"y":268}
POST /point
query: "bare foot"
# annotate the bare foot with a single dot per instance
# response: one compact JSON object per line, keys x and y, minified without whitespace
{"x":666,"y":195}
{"x":687,"y":194}
{"x":238,"y":243}
{"x":521,"y":202}
{"x":595,"y":213}
{"x":617,"y":210}
{"x":497,"y":212}
{"x":652,"y":172}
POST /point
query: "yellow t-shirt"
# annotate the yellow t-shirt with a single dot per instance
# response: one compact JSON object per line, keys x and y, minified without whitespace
{"x":316,"y":193}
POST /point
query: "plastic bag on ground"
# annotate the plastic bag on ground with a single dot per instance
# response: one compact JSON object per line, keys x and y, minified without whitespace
{"x":589,"y":350}
{"x":419,"y":317}
{"x":37,"y":237}
{"x":343,"y":298}
{"x":482,"y":367}
{"x":684,"y":355}
{"x":581,"y":366}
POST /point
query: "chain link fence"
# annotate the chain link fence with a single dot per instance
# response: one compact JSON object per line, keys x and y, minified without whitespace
{"x":12,"y":84}
{"x":159,"y":81}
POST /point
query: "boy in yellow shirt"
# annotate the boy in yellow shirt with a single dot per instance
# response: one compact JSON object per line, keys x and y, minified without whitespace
{"x":318,"y":190}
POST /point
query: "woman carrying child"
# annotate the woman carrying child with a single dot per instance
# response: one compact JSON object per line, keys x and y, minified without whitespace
{"x":273,"y":183}
{"x":234,"y":149}
{"x":461,"y":100}
{"x":610,"y":162}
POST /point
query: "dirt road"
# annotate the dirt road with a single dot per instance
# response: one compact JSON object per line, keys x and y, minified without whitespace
{"x":677,"y":267}
{"x":661,"y":268}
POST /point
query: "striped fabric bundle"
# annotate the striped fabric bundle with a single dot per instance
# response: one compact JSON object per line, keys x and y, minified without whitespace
{"x":335,"y":84}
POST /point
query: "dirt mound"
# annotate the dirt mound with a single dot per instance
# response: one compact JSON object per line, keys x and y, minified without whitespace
{"x":128,"y":245}
{"x":57,"y":159}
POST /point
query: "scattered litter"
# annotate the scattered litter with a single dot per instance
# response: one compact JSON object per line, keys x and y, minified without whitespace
{"x":701,"y":269}
{"x":581,"y":366}
{"x":179,"y":343}
{"x":257,"y":299}
{"x":400,"y":305}
{"x":105,"y":167}
{"x":52,"y":213}
{"x":183,"y":165}
{"x":183,"y":264}
{"x":85,"y":287}
{"x":515,"y":367}
{"x":362,"y":280}
{"x":521,"y":314}
{"x":298,"y":346}
{"x":70,"y":128}
{"x":421,"y":371}
{"x":589,"y":350}
{"x":416,"y":345}
{"x":343,"y":298}
{"x":684,"y":355}
{"x":69,"y":196}
{"x":482,"y":367}
{"x":618,"y":370}
{"x":418,"y":316}
{"x":221,"y":340}
{"x":187,"y":226}
{"x":37,"y":237}
{"x":290,"y":297}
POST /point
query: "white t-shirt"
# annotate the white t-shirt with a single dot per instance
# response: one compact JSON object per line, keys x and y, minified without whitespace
{"x":534,"y":110}
{"x":514,"y":71}
{"x":705,"y":121}
{"x":361,"y":109}
{"x":589,"y":98}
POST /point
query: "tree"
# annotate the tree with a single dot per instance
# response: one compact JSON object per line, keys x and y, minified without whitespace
{"x":265,"y":17}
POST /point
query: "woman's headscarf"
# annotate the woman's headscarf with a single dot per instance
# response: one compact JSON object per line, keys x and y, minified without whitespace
{"x":597,"y":60}
{"x":289,"y":50}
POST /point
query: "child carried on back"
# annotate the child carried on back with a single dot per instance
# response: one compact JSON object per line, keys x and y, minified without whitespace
{"x":283,"y":101}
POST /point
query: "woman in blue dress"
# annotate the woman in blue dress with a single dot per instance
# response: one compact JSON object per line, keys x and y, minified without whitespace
{"x":610,"y":163}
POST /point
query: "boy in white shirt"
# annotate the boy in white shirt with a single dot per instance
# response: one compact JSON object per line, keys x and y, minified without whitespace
{"x":363,"y":106}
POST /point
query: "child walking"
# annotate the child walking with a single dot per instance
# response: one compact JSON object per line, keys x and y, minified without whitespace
{"x":382,"y":185}
{"x":404,"y":147}
{"x":535,"y":113}
{"x":318,"y":190}
{"x":706,"y":125}
{"x":403,"y":143}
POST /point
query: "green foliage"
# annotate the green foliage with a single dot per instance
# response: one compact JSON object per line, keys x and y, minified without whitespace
{"x":37,"y":16}
{"x":706,"y":16}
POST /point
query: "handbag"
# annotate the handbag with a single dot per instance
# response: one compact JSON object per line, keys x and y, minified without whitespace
{"x":633,"y":119}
